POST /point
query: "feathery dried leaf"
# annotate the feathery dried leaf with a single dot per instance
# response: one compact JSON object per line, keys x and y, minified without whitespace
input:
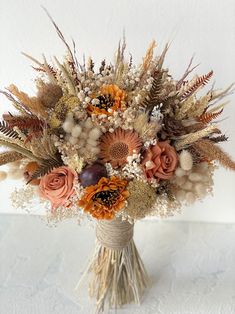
{"x":214,"y":152}
{"x":45,"y":167}
{"x":153,"y":97}
{"x":217,"y":139}
{"x":24,"y":122}
{"x":7,"y":130}
{"x":209,"y":116}
{"x":200,"y":81}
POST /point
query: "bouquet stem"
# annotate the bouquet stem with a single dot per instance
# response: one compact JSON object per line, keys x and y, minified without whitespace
{"x":117,"y":271}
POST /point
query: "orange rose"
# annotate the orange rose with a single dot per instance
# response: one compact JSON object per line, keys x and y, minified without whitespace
{"x":57,"y":186}
{"x":159,"y":161}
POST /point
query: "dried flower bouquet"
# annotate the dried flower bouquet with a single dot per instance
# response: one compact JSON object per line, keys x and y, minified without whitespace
{"x":117,"y":142}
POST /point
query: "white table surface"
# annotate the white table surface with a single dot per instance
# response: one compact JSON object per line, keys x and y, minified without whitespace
{"x":192,"y":267}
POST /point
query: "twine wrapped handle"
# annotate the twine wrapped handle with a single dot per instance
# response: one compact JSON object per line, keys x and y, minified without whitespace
{"x":115,"y":234}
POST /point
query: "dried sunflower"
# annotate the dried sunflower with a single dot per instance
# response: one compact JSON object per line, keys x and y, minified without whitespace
{"x":117,"y":146}
{"x":109,"y":97}
{"x":105,"y":198}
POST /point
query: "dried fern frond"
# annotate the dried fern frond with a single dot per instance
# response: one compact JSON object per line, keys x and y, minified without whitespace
{"x":153,"y":97}
{"x":7,"y":130}
{"x":45,"y":167}
{"x":218,"y":139}
{"x":190,"y":138}
{"x":214,"y":152}
{"x":200,"y":81}
{"x":31,"y":103}
{"x":209,"y":116}
{"x":24,"y":122}
{"x":21,"y":150}
{"x":8,"y":157}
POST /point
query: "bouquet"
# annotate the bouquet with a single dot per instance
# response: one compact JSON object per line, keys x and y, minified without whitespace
{"x":114,"y":142}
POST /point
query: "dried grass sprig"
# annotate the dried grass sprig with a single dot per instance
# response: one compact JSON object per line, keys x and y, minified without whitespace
{"x":17,"y":104}
{"x":43,"y":67}
{"x":186,"y":73}
{"x":214,"y":152}
{"x":69,"y":80}
{"x":8,"y":157}
{"x":147,"y":60}
{"x":190,"y":138}
{"x":200,"y":81}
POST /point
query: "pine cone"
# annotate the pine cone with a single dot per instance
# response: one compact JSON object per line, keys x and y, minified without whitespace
{"x":172,"y":128}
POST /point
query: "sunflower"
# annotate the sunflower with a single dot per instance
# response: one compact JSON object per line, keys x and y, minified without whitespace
{"x":105,"y":198}
{"x":108,"y":97}
{"x":117,"y":146}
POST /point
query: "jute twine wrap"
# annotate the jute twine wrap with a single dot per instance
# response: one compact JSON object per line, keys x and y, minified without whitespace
{"x":117,"y":273}
{"x":114,"y":234}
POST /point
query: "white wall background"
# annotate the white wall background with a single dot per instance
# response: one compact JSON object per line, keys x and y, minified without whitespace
{"x":205,"y":28}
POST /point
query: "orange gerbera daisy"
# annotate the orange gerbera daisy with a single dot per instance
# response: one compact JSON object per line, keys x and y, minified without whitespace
{"x":105,"y":198}
{"x":117,"y":146}
{"x":110,"y":97}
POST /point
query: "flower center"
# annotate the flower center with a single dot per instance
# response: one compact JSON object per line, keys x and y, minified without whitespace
{"x":106,"y":102}
{"x":107,"y":198}
{"x":119,"y":150}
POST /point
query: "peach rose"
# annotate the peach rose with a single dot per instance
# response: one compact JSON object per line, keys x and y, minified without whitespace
{"x":57,"y":186}
{"x":159,"y":161}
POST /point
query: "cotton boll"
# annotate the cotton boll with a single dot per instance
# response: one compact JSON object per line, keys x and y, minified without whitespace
{"x":83,"y":135}
{"x":88,"y":123}
{"x":179,"y":172}
{"x":186,"y":160}
{"x":73,"y":140}
{"x":68,"y":126}
{"x":195,"y":177}
{"x":81,"y":142}
{"x":200,"y":189}
{"x":76,"y":131}
{"x":180,"y":195}
{"x":95,"y":134}
{"x":187,"y":186}
{"x":180,"y":180}
{"x":95,"y":150}
{"x":92,"y":142}
{"x":3,"y":175}
{"x":190,"y":197}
